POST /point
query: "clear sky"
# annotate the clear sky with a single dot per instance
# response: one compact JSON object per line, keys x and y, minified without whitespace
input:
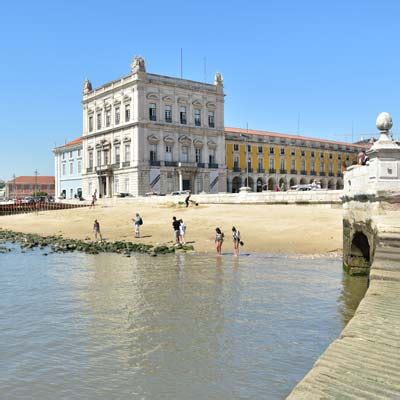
{"x":330,"y":65}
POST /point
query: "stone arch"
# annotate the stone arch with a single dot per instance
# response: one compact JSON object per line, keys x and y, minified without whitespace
{"x":339,"y":184}
{"x":249,"y":183}
{"x":236,"y":184}
{"x":323,"y":183}
{"x":259,"y":184}
{"x":293,"y":182}
{"x":331,"y":184}
{"x":271,"y":184}
{"x":303,"y":181}
{"x":359,"y":258}
{"x":283,"y":183}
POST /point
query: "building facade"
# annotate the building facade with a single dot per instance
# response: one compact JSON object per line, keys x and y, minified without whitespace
{"x":152,"y":133}
{"x":276,"y":160}
{"x":23,"y":186}
{"x":68,"y":161}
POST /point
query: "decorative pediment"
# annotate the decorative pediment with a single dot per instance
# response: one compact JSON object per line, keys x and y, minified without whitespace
{"x":198,"y":143}
{"x":98,"y":108}
{"x":211,"y":105}
{"x":126,"y":139}
{"x":152,"y":96}
{"x":152,"y":139}
{"x":90,"y":111}
{"x":107,"y":106}
{"x":90,"y":147}
{"x":197,"y":104}
{"x":211,"y":144}
{"x":168,"y":99}
{"x":117,"y":141}
{"x":185,"y":140}
{"x":116,"y":102}
{"x":127,"y":99}
{"x":169,"y":140}
{"x":182,"y":100}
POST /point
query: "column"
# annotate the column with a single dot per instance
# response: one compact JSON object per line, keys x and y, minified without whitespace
{"x":180,"y":180}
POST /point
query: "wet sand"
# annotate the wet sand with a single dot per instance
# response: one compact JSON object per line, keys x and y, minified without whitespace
{"x":264,"y":228}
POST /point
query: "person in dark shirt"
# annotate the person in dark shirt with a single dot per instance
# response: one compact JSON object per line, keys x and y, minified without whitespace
{"x":175,"y":225}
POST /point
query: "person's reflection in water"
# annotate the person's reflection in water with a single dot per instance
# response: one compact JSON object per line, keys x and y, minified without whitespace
{"x":180,"y":263}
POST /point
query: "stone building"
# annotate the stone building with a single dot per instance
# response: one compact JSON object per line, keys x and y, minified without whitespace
{"x":23,"y":186}
{"x":68,"y":169}
{"x":276,"y":159}
{"x":153,"y":133}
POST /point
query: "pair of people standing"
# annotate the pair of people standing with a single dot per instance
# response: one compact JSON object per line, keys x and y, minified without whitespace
{"x":219,"y":239}
{"x":179,"y":228}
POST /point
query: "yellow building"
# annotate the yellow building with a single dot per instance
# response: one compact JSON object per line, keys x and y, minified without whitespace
{"x":281,"y":160}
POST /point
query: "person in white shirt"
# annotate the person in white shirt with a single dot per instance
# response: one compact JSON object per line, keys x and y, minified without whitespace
{"x":182,"y":231}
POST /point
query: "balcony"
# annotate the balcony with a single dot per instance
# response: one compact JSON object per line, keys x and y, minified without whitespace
{"x":293,"y":171}
{"x":331,"y":174}
{"x":313,"y":173}
{"x":183,"y":121}
{"x":171,"y":163}
{"x":201,"y":165}
{"x":116,"y":165}
{"x":212,"y":165}
{"x":282,"y":171}
{"x":260,"y":170}
{"x":152,"y":117}
{"x":272,"y":170}
{"x":89,"y":170}
{"x":339,"y":174}
{"x":197,"y":122}
{"x":211,"y":125}
{"x":322,"y":173}
{"x":154,"y":163}
{"x":303,"y":172}
{"x":236,"y":169}
{"x":250,"y":169}
{"x":126,"y":164}
{"x":168,"y":119}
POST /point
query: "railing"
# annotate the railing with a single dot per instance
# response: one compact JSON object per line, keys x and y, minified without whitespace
{"x":201,"y":165}
{"x":126,"y":163}
{"x":313,"y":173}
{"x":322,"y":173}
{"x":260,"y":170}
{"x":183,"y":121}
{"x":116,"y":165}
{"x":169,"y":120}
{"x":212,"y":165}
{"x":10,"y":209}
{"x":293,"y":171}
{"x":331,"y":174}
{"x":303,"y":172}
{"x":153,"y":118}
{"x":250,"y":169}
{"x":211,"y":125}
{"x":339,"y":174}
{"x":272,"y":170}
{"x":283,"y":171}
{"x":171,"y":163}
{"x":236,"y":169}
{"x":154,"y":163}
{"x":90,"y":169}
{"x":197,"y":123}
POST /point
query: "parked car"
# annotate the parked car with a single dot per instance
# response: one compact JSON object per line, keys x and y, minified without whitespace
{"x":180,"y":192}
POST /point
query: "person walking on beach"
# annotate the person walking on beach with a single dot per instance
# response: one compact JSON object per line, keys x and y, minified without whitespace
{"x":182,"y":231}
{"x":219,"y":239}
{"x":96,"y":230}
{"x":236,"y":241}
{"x":175,"y":225}
{"x":138,"y":221}
{"x":187,"y":200}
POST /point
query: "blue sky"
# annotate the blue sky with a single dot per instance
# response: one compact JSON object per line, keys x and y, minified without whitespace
{"x":336,"y":64}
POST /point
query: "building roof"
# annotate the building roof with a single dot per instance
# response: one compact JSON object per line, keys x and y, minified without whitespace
{"x":75,"y":142}
{"x":287,"y":136}
{"x":32,"y":180}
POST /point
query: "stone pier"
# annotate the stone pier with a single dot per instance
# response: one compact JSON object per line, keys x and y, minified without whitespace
{"x":364,"y":362}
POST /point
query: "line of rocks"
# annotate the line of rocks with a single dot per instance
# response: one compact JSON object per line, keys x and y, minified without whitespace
{"x":58,"y":244}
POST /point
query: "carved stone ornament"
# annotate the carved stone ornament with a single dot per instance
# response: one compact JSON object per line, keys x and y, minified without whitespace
{"x":169,"y":140}
{"x":384,"y":121}
{"x":152,"y":96}
{"x":87,"y":86}
{"x":182,"y":100}
{"x":138,"y":64}
{"x":127,"y":99}
{"x":152,"y":139}
{"x":198,"y":143}
{"x":90,"y":147}
{"x":218,"y":79}
{"x":197,"y":104}
{"x":211,"y":105}
{"x":185,"y":140}
{"x":168,"y":99}
{"x":211,"y":144}
{"x":117,"y":141}
{"x":126,"y":139}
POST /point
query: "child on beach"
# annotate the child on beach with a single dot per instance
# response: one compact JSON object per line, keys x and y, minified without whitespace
{"x":96,"y":230}
{"x":138,"y":221}
{"x":182,"y":231}
{"x":236,"y":241}
{"x":219,"y":238}
{"x":175,"y":225}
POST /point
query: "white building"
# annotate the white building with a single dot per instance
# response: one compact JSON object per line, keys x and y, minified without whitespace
{"x":147,"y":132}
{"x":68,"y":170}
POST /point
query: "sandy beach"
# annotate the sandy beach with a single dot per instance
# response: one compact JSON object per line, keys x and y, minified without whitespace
{"x":264,"y":228}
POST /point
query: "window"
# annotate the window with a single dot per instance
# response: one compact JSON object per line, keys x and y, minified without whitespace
{"x":293,"y":164}
{"x":198,"y":155}
{"x":321,"y":155}
{"x":105,"y":157}
{"x":117,"y":152}
{"x":283,"y":164}
{"x":271,"y":150}
{"x":63,"y":156}
{"x":79,"y":152}
{"x":108,"y":118}
{"x":127,"y":155}
{"x":347,"y":157}
{"x":71,"y":193}
{"x":117,"y":115}
{"x":339,"y":157}
{"x":116,"y":185}
{"x":90,"y":188}
{"x":168,"y":113}
{"x":293,"y":152}
{"x":282,"y":151}
{"x":211,"y":156}
{"x":168,"y":153}
{"x":197,"y":117}
{"x":211,"y":119}
{"x":330,"y":156}
{"x":312,"y":154}
{"x":90,"y":159}
{"x":312,"y":166}
{"x":152,"y":112}
{"x":153,"y":152}
{"x":260,"y":164}
{"x":322,"y":166}
{"x":236,"y":162}
{"x":260,"y":149}
{"x":249,"y":148}
{"x":99,"y":121}
{"x":303,"y":165}
{"x":91,"y":123}
{"x":185,"y":154}
{"x":236,"y":147}
{"x":271,"y":163}
{"x":303,"y":153}
{"x":71,"y":168}
{"x":79,"y":167}
{"x":331,"y":167}
{"x":63,"y":169}
{"x":182,"y":114}
{"x":126,"y":185}
{"x":127,"y":112}
{"x":98,"y":158}
{"x":70,"y":154}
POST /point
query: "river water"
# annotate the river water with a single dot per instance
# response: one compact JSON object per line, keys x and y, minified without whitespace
{"x":77,"y":326}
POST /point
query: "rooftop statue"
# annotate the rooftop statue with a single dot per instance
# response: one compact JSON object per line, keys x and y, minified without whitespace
{"x":138,"y":64}
{"x":218,"y":79}
{"x":87,"y":86}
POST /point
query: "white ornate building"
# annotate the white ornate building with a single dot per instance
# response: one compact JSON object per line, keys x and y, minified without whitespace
{"x":147,"y":132}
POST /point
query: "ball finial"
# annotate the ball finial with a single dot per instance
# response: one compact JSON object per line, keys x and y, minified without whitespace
{"x":384,"y":121}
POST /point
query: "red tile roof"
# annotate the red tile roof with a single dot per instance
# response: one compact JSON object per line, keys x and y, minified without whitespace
{"x":71,"y":143}
{"x":32,"y":180}
{"x":287,"y":136}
